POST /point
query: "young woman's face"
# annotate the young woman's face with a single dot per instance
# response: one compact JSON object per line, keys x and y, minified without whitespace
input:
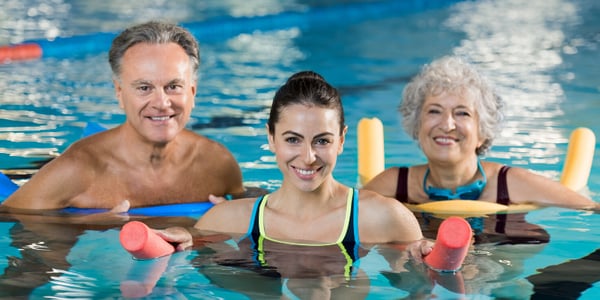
{"x":306,"y":143}
{"x":449,"y":129}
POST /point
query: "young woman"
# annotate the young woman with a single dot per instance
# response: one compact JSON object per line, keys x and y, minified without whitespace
{"x":313,"y":228}
{"x":306,"y":132}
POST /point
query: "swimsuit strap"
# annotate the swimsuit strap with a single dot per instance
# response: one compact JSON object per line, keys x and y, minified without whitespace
{"x":502,"y":194}
{"x":348,"y":242}
{"x":351,"y":241}
{"x":402,"y":185}
{"x":349,"y":223}
{"x":253,"y":234}
{"x":253,"y":230}
{"x":503,"y":198}
{"x":351,"y":235}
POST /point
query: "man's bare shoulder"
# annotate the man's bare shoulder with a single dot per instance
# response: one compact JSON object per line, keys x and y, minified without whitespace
{"x":92,"y":148}
{"x":200,"y":141}
{"x":209,"y":152}
{"x":65,"y":177}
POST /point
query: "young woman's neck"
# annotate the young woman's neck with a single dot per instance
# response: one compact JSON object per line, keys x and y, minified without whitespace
{"x":329,"y":194}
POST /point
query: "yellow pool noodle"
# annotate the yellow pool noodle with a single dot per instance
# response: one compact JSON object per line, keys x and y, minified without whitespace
{"x":575,"y":174}
{"x":578,"y":161}
{"x":370,"y":149}
{"x":468,"y":208}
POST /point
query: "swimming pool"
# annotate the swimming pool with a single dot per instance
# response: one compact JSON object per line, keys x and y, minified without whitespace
{"x":541,"y":54}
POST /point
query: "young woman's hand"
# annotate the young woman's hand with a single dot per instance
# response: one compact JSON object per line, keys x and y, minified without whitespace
{"x":179,"y":236}
{"x":419,"y":249}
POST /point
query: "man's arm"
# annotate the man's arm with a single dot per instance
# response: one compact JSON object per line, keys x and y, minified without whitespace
{"x":52,"y":187}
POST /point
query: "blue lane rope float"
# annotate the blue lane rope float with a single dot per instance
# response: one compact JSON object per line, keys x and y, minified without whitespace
{"x":223,"y":27}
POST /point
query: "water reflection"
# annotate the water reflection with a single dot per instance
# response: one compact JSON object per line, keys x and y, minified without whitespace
{"x":63,"y":260}
{"x":49,"y":19}
{"x":519,"y":44}
{"x":22,"y":19}
{"x":45,"y":95}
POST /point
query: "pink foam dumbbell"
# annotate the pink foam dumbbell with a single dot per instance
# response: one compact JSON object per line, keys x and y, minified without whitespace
{"x":451,"y":246}
{"x":139,"y":240}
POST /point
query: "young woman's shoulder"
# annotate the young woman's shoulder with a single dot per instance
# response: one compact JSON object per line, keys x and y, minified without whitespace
{"x":375,"y":202}
{"x":228,"y":217}
{"x":384,"y":219}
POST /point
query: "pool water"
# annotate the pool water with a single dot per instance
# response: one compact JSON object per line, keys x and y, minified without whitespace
{"x":541,"y":54}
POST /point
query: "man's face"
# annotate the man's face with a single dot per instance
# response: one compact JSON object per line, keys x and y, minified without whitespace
{"x":156,"y":89}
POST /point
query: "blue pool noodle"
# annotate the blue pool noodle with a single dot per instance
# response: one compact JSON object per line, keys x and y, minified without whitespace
{"x":7,"y":186}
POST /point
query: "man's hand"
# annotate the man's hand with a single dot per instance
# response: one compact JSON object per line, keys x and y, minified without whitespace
{"x":216,"y":200}
{"x":121,"y":207}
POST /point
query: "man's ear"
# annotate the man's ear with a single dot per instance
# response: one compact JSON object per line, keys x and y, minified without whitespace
{"x":119,"y":92}
{"x":193,"y":87}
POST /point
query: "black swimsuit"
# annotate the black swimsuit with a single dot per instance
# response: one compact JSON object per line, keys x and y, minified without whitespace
{"x":348,"y":242}
{"x":525,"y":232}
{"x":501,"y":198}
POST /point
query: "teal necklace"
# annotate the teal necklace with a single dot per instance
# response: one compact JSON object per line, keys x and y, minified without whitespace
{"x":470,"y":191}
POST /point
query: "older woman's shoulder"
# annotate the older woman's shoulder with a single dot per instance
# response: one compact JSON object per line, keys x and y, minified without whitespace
{"x":373,"y":200}
{"x":493,"y":168}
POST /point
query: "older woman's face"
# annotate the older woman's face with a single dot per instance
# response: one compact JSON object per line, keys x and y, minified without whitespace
{"x":449,"y":130}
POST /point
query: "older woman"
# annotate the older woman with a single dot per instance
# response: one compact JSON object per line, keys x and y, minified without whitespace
{"x":453,"y":113}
